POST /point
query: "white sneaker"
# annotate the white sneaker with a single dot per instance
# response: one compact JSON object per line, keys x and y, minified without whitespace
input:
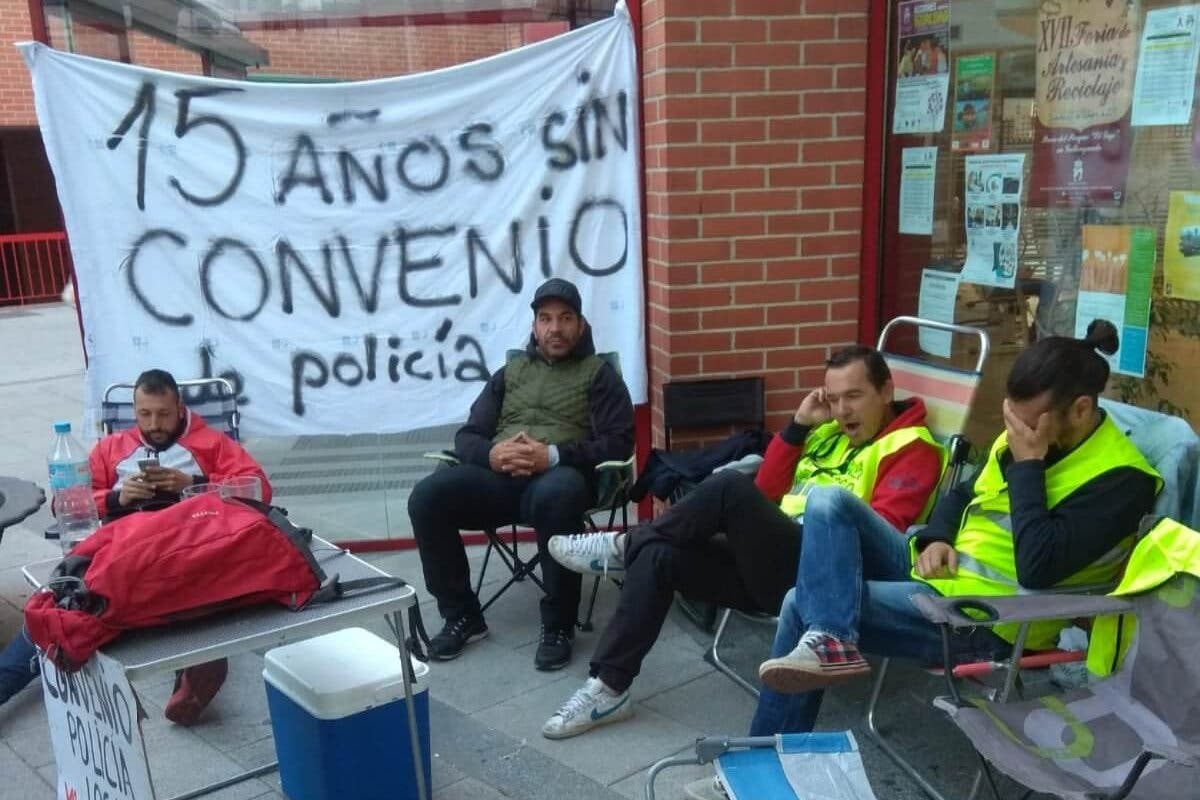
{"x":589,"y":553}
{"x":594,"y":704}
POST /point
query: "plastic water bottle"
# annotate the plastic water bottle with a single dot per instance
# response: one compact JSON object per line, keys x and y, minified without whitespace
{"x":71,"y":483}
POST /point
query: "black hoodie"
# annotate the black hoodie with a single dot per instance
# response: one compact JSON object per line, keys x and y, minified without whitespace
{"x":610,"y":429}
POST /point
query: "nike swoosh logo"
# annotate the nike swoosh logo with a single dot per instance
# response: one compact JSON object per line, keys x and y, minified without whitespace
{"x":613,"y":566}
{"x":598,"y":716}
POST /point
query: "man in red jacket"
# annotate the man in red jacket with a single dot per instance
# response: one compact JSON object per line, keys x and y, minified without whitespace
{"x":186,"y":449}
{"x":187,"y":452}
{"x":849,"y":440}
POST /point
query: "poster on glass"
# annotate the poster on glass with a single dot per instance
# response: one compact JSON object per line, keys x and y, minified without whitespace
{"x":993,"y":218}
{"x":922,"y":67}
{"x":1086,"y":63}
{"x":1181,"y":247}
{"x":1166,"y":70}
{"x":974,"y":98}
{"x":1115,"y":277}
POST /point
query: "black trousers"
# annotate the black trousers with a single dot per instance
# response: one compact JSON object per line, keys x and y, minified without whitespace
{"x":473,"y":498}
{"x":751,"y":569}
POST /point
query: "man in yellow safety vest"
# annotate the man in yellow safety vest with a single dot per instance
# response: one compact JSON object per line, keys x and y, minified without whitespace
{"x":1055,"y":504}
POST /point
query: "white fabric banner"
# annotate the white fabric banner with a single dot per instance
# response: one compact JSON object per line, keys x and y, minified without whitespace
{"x":357,"y":257}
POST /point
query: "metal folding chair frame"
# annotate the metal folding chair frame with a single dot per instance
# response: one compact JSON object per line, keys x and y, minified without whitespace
{"x":230,"y":420}
{"x":959,"y":448}
{"x":615,"y":501}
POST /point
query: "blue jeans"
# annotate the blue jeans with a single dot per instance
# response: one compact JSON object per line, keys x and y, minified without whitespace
{"x":18,"y":665}
{"x":853,"y":583}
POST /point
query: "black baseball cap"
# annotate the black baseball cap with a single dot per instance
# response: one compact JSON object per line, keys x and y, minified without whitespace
{"x":558,"y":289}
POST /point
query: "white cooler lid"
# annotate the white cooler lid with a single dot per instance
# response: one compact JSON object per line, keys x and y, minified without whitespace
{"x":340,"y":673}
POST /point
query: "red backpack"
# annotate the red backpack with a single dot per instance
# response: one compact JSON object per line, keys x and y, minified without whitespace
{"x":201,"y":555}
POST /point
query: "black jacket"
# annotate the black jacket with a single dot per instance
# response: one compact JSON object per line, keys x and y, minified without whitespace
{"x":610,"y":435}
{"x":1050,"y":545}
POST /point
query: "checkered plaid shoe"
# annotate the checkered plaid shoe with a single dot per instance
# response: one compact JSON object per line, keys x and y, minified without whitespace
{"x":818,"y":661}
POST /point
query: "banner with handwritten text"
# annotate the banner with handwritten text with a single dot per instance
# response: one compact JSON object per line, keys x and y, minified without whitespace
{"x":356,"y":257}
{"x":1086,"y":64}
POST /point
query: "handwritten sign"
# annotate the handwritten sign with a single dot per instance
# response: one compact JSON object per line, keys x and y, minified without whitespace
{"x":94,"y":730}
{"x":1086,"y":64}
{"x":354,"y":257}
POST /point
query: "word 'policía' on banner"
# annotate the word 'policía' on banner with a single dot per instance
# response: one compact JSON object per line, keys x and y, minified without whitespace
{"x":354,"y":256}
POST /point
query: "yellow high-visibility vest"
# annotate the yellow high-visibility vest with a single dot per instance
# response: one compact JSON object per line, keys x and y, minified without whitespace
{"x":1167,"y":549}
{"x":986,"y":553}
{"x":830,"y":460}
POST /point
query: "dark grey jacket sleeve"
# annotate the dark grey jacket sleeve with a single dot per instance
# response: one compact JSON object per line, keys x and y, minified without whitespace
{"x":473,"y":442}
{"x":1053,"y":544}
{"x":611,"y":435}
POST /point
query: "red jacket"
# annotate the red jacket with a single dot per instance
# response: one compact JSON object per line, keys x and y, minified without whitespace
{"x":906,"y":478}
{"x":200,"y":451}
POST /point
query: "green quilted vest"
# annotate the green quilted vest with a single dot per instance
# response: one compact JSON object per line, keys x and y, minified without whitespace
{"x":547,"y":401}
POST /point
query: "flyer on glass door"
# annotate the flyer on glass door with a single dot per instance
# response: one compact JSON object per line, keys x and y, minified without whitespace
{"x":1181,"y":247}
{"x":939,"y":294}
{"x":1166,"y":71}
{"x":917,"y":171}
{"x":993,"y":218}
{"x":922,"y":67}
{"x":1115,"y":278}
{"x":974,"y":102}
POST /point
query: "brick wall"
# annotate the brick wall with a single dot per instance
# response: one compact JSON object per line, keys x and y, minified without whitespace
{"x":148,"y":51}
{"x":16,"y":91}
{"x":353,"y":53}
{"x":754,"y":150}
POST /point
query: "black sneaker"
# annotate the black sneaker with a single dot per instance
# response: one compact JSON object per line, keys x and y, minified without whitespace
{"x":455,"y":635}
{"x":555,"y":650}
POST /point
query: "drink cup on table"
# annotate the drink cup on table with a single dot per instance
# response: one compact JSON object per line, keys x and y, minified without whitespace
{"x":246,"y":486}
{"x":197,"y":489}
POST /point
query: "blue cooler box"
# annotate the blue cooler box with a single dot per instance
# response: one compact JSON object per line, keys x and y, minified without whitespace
{"x":339,"y":718}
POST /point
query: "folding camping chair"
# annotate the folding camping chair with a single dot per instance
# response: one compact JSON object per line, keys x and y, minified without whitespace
{"x":711,"y":403}
{"x":791,"y":766}
{"x":1133,"y":734}
{"x":612,"y":497}
{"x":948,"y":393}
{"x":213,"y":399}
{"x":1171,"y":447}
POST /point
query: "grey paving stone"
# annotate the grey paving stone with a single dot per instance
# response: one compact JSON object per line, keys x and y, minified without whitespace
{"x":670,"y":783}
{"x":504,"y":763}
{"x":21,"y":780}
{"x":605,"y":754}
{"x":485,"y":675}
{"x":467,"y":789}
{"x":710,"y":704}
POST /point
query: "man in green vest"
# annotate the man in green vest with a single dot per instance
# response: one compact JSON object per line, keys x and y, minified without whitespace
{"x":1055,"y":505}
{"x":527,"y":454}
{"x":848,"y":445}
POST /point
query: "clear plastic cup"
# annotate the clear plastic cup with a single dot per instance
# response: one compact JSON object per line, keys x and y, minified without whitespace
{"x":247,"y":486}
{"x":197,"y":489}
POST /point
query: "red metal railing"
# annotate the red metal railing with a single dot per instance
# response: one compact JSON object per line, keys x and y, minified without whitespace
{"x":34,"y":267}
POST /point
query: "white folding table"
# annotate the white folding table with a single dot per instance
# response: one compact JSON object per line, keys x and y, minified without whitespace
{"x":149,"y":651}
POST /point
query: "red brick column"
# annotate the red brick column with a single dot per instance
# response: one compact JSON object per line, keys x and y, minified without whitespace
{"x":16,"y":89}
{"x":754,"y":116}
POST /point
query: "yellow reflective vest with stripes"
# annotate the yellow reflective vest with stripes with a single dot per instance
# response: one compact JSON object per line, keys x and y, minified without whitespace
{"x":986,"y":553}
{"x":1167,"y":549}
{"x":830,"y":460}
